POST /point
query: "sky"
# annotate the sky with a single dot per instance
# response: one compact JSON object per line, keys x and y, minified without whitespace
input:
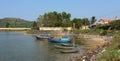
{"x":31,"y":9}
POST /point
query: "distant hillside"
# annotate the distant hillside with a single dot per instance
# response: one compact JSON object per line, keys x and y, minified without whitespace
{"x":15,"y":22}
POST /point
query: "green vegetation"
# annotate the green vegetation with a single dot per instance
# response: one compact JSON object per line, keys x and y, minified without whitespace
{"x":87,"y":31}
{"x":14,"y":23}
{"x":54,"y":19}
{"x":81,"y":22}
{"x":80,"y":41}
{"x":112,"y":53}
{"x":78,"y":22}
{"x":7,"y":25}
{"x":114,"y":25}
{"x":34,"y":26}
{"x":93,"y":20}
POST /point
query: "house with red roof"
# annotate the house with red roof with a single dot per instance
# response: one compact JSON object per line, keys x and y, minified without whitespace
{"x":104,"y":21}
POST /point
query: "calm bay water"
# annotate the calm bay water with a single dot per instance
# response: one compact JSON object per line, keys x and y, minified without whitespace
{"x":15,"y":46}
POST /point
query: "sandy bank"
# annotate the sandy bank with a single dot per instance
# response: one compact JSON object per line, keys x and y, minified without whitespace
{"x":14,"y":29}
{"x":93,"y":46}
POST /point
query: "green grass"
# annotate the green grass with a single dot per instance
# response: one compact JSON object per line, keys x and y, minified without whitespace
{"x":111,"y":53}
{"x":92,"y":31}
{"x":80,"y":41}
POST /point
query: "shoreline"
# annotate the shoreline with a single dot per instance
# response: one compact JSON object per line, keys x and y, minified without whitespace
{"x":94,"y":48}
{"x":14,"y":29}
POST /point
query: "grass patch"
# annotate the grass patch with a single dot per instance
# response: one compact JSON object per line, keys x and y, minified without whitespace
{"x":80,"y":41}
{"x":111,"y":53}
{"x":92,"y":31}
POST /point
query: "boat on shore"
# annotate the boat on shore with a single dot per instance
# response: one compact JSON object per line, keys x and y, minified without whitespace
{"x":64,"y":47}
{"x":70,"y":51}
{"x":42,"y":36}
{"x":68,"y":44}
{"x":61,"y":40}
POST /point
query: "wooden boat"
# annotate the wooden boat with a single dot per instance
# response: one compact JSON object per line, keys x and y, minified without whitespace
{"x":61,"y":40}
{"x":70,"y":51}
{"x":68,"y":45}
{"x":63,"y":47}
{"x":43,"y":36}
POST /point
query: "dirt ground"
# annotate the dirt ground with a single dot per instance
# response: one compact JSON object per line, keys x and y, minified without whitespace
{"x":94,"y":43}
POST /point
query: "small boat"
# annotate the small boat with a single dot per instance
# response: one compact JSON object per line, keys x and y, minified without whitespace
{"x":70,"y":51}
{"x":43,"y":36}
{"x":68,"y":45}
{"x":69,"y":37}
{"x":63,"y":47}
{"x":61,"y":40}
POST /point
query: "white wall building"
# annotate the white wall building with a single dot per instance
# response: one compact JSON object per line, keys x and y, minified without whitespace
{"x":55,"y":28}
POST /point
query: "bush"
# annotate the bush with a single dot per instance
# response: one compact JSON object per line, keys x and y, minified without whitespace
{"x":103,"y":33}
{"x":80,"y":41}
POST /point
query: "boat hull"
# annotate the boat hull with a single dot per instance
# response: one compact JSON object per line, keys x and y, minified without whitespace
{"x":42,"y":36}
{"x":58,"y":41}
{"x":69,"y":51}
{"x":61,"y":40}
{"x":68,"y":45}
{"x":63,"y":47}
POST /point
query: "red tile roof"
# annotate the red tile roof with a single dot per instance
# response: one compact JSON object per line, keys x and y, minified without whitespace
{"x":105,"y":20}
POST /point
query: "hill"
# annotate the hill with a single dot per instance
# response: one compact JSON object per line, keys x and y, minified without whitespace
{"x":15,"y":23}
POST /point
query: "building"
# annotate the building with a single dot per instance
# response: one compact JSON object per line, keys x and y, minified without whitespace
{"x":54,"y":28}
{"x":84,"y":27}
{"x":104,"y":21}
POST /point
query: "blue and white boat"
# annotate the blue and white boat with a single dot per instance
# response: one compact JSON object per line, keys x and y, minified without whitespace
{"x":64,"y":39}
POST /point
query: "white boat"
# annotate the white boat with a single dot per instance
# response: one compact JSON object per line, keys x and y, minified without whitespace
{"x":43,"y":36}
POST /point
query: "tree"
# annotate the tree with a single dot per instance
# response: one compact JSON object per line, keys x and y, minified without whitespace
{"x":93,"y":20}
{"x":78,"y":22}
{"x":115,"y":24}
{"x":54,"y":19}
{"x":7,"y":25}
{"x":67,"y":23}
{"x":34,"y":25}
{"x":85,"y":21}
{"x":102,"y":26}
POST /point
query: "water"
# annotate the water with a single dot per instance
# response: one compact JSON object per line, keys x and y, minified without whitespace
{"x":15,"y":46}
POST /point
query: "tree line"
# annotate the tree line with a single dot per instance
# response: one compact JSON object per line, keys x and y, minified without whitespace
{"x":62,"y":19}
